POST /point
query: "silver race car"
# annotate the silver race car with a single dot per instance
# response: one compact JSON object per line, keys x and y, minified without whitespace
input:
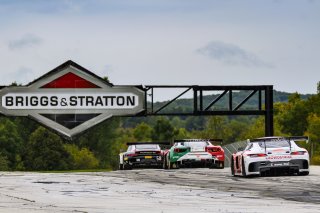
{"x":271,"y":156}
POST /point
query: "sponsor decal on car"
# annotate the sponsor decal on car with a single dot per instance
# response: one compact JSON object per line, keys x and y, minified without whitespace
{"x":278,"y":157}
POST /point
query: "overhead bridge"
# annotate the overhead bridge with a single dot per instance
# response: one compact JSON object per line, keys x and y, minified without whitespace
{"x":263,"y":93}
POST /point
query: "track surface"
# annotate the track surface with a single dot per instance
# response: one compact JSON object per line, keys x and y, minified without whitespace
{"x":149,"y":190}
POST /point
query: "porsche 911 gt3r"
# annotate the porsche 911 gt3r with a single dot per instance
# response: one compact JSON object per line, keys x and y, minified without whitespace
{"x":194,"y":153}
{"x":271,"y":155}
{"x":142,"y":154}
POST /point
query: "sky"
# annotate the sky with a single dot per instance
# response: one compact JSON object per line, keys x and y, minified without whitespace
{"x":165,"y":42}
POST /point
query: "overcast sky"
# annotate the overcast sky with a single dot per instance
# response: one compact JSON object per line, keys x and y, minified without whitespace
{"x":205,"y":42}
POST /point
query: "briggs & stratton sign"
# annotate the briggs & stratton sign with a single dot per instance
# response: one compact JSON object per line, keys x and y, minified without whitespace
{"x":71,"y":99}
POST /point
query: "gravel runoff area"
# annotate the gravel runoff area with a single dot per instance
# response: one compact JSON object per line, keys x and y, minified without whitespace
{"x":156,"y":190}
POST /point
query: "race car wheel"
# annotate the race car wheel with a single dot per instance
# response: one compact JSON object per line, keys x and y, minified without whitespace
{"x":165,"y":165}
{"x":243,"y":169}
{"x":120,"y":166}
{"x":232,"y":165}
{"x":303,"y":173}
{"x":221,"y":165}
{"x":127,"y":167}
{"x":169,"y":165}
{"x":175,"y":165}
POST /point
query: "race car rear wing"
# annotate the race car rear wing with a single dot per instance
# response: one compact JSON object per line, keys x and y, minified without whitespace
{"x":200,"y":140}
{"x":289,"y":139}
{"x":298,"y":138}
{"x":155,"y":143}
{"x":163,"y":145}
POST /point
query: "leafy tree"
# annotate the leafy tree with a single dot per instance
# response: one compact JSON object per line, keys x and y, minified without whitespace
{"x":294,"y":119}
{"x":10,"y":142}
{"x":237,"y":128}
{"x":195,"y":123}
{"x":313,"y":131}
{"x":4,"y":163}
{"x":182,"y":133}
{"x":216,"y":128}
{"x":25,"y":126}
{"x":163,"y":130}
{"x":257,"y":129}
{"x":101,"y":140}
{"x":81,"y":158}
{"x":45,"y":151}
{"x":142,"y":132}
{"x":313,"y":104}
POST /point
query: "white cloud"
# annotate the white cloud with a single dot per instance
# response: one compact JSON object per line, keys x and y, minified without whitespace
{"x":231,"y":54}
{"x":25,"y":41}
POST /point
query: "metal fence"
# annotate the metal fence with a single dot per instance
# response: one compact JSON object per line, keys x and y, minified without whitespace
{"x":229,"y":149}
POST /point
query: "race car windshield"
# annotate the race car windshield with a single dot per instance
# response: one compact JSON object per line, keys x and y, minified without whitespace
{"x":195,"y":144}
{"x":147,"y":146}
{"x":274,"y":144}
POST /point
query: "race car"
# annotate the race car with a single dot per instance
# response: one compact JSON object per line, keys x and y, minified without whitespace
{"x":194,"y":153}
{"x":142,"y":154}
{"x":271,"y":156}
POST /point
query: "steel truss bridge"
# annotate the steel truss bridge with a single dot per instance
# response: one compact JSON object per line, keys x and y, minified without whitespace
{"x":202,"y":107}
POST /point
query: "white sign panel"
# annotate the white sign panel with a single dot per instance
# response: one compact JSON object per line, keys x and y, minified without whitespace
{"x":71,"y":99}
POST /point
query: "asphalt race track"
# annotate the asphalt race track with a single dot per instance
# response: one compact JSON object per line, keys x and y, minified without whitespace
{"x":156,"y":190}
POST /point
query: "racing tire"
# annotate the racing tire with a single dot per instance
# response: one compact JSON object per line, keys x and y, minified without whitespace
{"x":175,"y":165}
{"x":172,"y":165}
{"x":232,"y":165}
{"x":120,"y":166}
{"x":169,"y":165}
{"x":164,"y":164}
{"x":221,"y":165}
{"x":243,"y":169}
{"x":127,"y":167}
{"x":303,"y":173}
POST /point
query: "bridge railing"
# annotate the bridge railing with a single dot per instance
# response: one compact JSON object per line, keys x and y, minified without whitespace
{"x":229,"y":149}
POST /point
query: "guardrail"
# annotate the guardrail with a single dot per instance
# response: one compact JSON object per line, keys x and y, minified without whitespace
{"x":229,"y":149}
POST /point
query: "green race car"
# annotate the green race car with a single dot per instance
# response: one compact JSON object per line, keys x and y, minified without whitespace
{"x":194,"y":153}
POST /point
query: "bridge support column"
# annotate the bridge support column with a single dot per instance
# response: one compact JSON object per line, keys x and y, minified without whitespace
{"x":269,"y":129}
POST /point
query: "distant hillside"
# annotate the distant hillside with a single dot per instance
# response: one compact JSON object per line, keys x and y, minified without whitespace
{"x":186,"y":105}
{"x":283,"y":96}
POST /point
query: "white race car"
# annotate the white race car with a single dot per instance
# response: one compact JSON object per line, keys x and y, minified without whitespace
{"x":271,"y":156}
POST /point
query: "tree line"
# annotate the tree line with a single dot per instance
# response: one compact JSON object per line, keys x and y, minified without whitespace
{"x":27,"y":146}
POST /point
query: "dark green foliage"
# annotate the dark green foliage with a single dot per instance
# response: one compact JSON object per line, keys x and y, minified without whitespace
{"x":294,"y":119}
{"x":163,"y":130}
{"x":4,"y":163}
{"x":195,"y":123}
{"x":101,"y":140}
{"x":10,"y":142}
{"x":45,"y":151}
{"x":81,"y":158}
{"x":142,"y":132}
